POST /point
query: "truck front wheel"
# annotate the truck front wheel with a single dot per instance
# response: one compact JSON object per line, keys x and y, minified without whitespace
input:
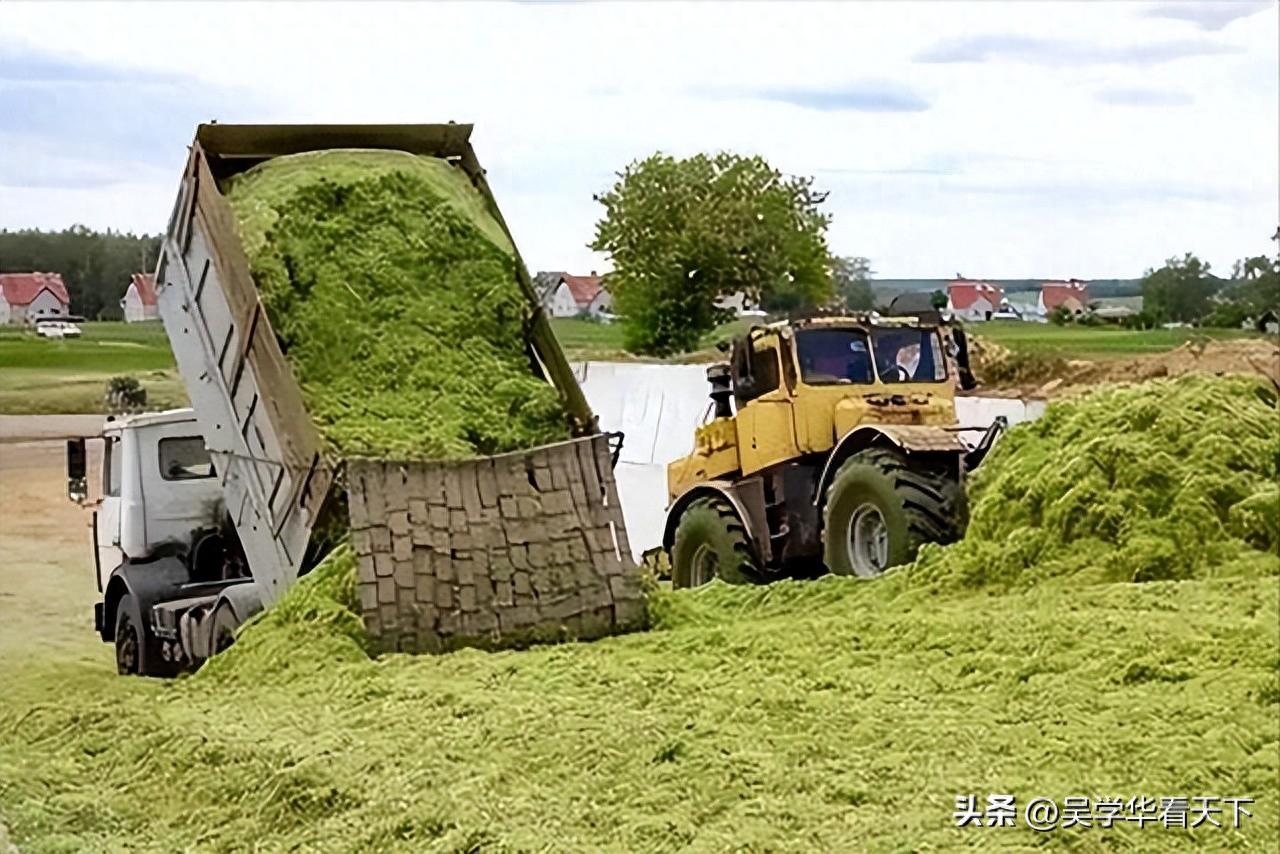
{"x":881,"y":507}
{"x":129,"y":638}
{"x":711,"y":542}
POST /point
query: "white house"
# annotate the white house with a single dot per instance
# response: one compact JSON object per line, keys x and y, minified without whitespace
{"x":1071,"y":294}
{"x":969,"y":299}
{"x":570,"y":296}
{"x":27,"y":297}
{"x":139,"y":301}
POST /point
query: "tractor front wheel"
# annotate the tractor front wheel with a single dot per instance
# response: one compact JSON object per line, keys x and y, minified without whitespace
{"x":880,"y":508}
{"x":711,"y":542}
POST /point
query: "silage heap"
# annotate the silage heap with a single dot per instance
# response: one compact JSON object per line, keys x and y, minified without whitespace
{"x":393,"y":291}
{"x":1163,"y":480}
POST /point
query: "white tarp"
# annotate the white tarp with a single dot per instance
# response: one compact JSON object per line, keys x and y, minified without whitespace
{"x":657,"y":408}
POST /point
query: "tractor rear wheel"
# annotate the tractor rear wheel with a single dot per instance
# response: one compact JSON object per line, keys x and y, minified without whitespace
{"x":881,"y":506}
{"x":711,"y":542}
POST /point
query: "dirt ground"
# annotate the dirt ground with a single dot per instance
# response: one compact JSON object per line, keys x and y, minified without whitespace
{"x":1051,"y":377}
{"x":47,"y":586}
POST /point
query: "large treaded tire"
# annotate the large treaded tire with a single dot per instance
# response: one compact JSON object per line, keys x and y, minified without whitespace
{"x":711,"y":542}
{"x":919,"y":501}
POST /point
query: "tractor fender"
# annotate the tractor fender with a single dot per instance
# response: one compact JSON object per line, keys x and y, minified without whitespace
{"x":148,"y":582}
{"x":745,"y":496}
{"x":912,"y":438}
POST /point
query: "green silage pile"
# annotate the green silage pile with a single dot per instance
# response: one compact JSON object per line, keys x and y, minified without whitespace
{"x":1164,"y":480}
{"x":393,"y":292}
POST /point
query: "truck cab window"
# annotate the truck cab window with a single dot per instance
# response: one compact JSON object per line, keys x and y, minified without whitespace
{"x":111,"y":458}
{"x":764,"y":372}
{"x":184,"y":458}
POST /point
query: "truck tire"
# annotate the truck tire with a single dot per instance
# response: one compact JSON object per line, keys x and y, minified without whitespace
{"x":711,"y":542}
{"x":881,"y":506}
{"x":131,"y":638}
{"x":223,"y":630}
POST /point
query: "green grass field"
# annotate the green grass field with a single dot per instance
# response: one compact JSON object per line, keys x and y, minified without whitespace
{"x":41,"y":376}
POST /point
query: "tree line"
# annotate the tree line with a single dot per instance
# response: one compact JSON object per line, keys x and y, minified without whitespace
{"x":1185,"y":291}
{"x":94,"y":265}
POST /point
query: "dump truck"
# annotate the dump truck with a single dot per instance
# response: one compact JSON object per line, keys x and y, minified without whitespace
{"x":209,"y":514}
{"x":833,"y":444}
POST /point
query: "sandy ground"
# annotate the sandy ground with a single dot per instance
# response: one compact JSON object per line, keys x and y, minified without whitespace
{"x":47,"y":586}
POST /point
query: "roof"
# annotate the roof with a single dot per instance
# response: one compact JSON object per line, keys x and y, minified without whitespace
{"x":1055,"y":293}
{"x":23,"y":288}
{"x":965,"y":292}
{"x":583,"y":288}
{"x":146,"y":286}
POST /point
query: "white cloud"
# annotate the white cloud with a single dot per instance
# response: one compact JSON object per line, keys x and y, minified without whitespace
{"x":1001,"y":168}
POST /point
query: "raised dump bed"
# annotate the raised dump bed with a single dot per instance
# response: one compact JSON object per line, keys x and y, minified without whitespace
{"x":485,"y":550}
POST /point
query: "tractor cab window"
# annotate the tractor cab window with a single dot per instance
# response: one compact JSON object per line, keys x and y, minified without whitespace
{"x":908,"y":355}
{"x":756,"y":369}
{"x":830,"y":356}
{"x":184,"y":458}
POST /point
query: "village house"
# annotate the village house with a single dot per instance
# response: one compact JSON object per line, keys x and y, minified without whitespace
{"x":27,"y":297}
{"x":971,"y":299}
{"x":1071,"y":294}
{"x":139,"y":302}
{"x":565,"y":295}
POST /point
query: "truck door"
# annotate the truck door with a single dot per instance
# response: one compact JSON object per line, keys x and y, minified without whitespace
{"x":766,"y":429}
{"x":106,"y":519}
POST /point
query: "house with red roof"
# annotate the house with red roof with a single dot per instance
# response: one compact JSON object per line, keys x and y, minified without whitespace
{"x":1071,"y":294}
{"x":566,"y":295}
{"x":139,"y":302}
{"x":27,"y":297}
{"x":973,"y":299}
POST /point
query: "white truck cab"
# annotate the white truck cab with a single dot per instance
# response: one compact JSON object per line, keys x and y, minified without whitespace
{"x":167,"y":558}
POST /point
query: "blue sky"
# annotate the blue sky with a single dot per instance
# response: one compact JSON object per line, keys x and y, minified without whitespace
{"x":994,"y":139}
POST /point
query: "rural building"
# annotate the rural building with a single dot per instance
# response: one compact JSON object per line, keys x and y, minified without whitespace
{"x":564,"y":295}
{"x":1072,"y":294}
{"x":27,"y":297}
{"x":139,"y":301}
{"x":971,"y":299}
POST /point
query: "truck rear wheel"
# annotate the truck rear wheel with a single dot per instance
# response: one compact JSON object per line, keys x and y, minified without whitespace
{"x":223,"y":632}
{"x":130,"y":638}
{"x":881,"y":507}
{"x":711,"y":542}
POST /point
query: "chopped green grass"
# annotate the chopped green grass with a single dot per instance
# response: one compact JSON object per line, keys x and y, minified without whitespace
{"x":393,"y":291}
{"x":829,"y":715}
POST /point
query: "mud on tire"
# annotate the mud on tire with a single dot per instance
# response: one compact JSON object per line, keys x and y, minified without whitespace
{"x":917,"y":500}
{"x":711,"y":542}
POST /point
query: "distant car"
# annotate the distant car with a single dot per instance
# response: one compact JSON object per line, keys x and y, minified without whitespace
{"x":57,"y":329}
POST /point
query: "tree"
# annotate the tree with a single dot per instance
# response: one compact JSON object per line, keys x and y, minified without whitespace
{"x":683,"y":233}
{"x":1180,"y":290}
{"x":938,"y":299}
{"x":851,"y":281}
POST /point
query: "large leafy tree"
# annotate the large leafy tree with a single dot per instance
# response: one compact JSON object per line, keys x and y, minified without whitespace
{"x":1181,"y":290}
{"x":682,"y":233}
{"x":851,"y":278}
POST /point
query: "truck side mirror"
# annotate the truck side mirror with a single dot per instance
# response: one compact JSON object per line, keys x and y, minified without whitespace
{"x":77,"y":484}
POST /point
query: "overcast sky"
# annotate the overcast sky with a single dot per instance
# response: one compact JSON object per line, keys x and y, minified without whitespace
{"x":1000,"y":139}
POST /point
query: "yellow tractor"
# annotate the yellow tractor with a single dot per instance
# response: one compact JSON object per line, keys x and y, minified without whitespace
{"x":832,"y":443}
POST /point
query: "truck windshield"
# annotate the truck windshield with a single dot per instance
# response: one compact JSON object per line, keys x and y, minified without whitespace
{"x":908,"y":355}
